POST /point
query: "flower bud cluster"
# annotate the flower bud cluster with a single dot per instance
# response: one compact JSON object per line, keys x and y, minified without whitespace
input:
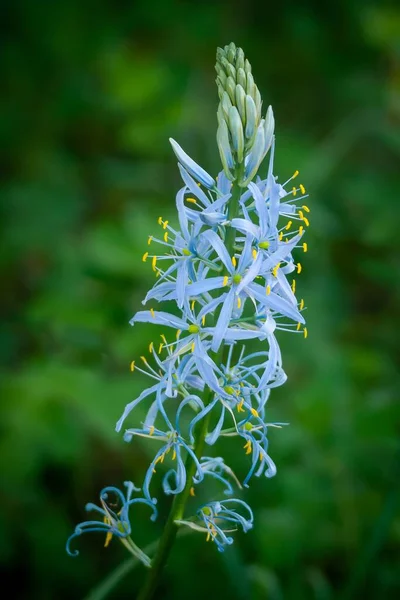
{"x":243,"y":136}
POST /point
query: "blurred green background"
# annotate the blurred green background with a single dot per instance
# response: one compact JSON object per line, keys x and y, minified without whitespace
{"x":93,"y":90}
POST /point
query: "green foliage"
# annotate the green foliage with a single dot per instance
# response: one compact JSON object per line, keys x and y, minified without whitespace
{"x":94,"y":91}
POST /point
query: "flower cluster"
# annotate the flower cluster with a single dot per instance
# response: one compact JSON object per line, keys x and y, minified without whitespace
{"x":228,"y":270}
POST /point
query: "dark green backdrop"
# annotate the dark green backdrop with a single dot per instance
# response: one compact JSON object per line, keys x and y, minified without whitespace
{"x":93,"y":89}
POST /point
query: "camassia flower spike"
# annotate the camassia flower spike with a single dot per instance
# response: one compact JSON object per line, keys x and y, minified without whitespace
{"x":227,"y":267}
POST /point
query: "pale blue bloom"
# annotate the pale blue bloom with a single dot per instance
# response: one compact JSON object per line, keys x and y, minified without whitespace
{"x":115,"y":520}
{"x":216,"y":519}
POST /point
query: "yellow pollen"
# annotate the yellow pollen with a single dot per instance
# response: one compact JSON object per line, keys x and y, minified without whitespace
{"x":151,"y":429}
{"x":166,"y":236}
{"x":293,"y":286}
{"x":151,"y":346}
{"x":178,"y":333}
{"x":165,"y":224}
{"x":247,"y":446}
{"x":301,"y":229}
{"x":192,"y":200}
{"x":154,"y":262}
{"x":192,"y":304}
{"x":305,"y":332}
{"x":295,"y":174}
{"x":132,"y":366}
{"x":305,"y":247}
{"x":301,"y":306}
{"x":159,"y":220}
{"x":254,"y":253}
{"x":192,"y":347}
{"x":239,"y":303}
{"x":298,"y":326}
{"x":191,"y":491}
{"x":234,"y":262}
{"x":254,"y":412}
{"x":240,"y":406}
{"x":268,"y":290}
{"x":275,"y":269}
{"x":160,"y":347}
{"x":281,"y":236}
{"x":299,"y":267}
{"x":225,"y":281}
{"x":301,"y":215}
{"x":302,"y":188}
{"x":304,"y":207}
{"x":203,"y":320}
{"x":152,"y":313}
{"x":294,"y":191}
{"x":288,"y":226}
{"x":149,"y":239}
{"x":306,"y":221}
{"x":144,"y":257}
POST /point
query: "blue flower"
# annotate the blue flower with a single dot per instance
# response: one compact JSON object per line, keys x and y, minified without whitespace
{"x":114,"y":510}
{"x":216,"y":519}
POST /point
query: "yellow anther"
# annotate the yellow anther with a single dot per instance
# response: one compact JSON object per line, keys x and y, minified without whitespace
{"x":164,"y":339}
{"x":254,"y":412}
{"x":247,"y":447}
{"x":254,"y":253}
{"x":165,"y":224}
{"x":304,"y":207}
{"x":178,"y":333}
{"x":151,"y":346}
{"x":305,"y":332}
{"x":192,"y":347}
{"x":208,"y":536}
{"x":268,"y":290}
{"x":160,"y":347}
{"x":132,"y":366}
{"x":240,"y":406}
{"x":298,"y":326}
{"x":153,"y":314}
{"x":154,"y":262}
{"x":174,"y":454}
{"x":144,"y":257}
{"x":203,"y":320}
{"x":225,"y":281}
{"x":109,"y":533}
{"x":234,"y":261}
{"x":295,"y":174}
{"x":306,"y":221}
{"x":288,"y":226}
{"x":305,"y":247}
{"x":294,"y":286}
{"x":158,"y":273}
{"x":302,"y":188}
{"x":192,"y":200}
{"x":294,"y":191}
{"x":301,"y":305}
{"x":192,"y":304}
{"x":159,"y":220}
{"x":301,"y":215}
{"x":280,"y":236}
{"x":239,"y":302}
{"x":143,"y":358}
{"x":301,"y":229}
{"x":151,"y":429}
{"x":299,"y":267}
{"x":166,"y":236}
{"x":275,"y":269}
{"x":191,"y":491}
{"x":149,"y":239}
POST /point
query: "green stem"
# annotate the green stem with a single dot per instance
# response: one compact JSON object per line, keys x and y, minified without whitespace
{"x":178,"y":506}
